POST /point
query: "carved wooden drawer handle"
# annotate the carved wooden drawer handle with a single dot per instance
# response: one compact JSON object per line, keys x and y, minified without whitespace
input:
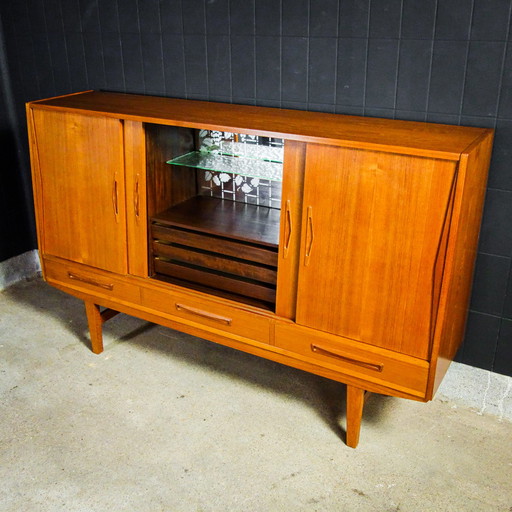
{"x":88,"y":280}
{"x":204,"y":314}
{"x":365,"y":364}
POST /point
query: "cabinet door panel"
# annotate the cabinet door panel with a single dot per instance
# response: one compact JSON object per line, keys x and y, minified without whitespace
{"x":374,"y":237}
{"x":82,"y":180}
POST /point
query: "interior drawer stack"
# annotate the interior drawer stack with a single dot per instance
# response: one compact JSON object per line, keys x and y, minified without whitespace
{"x":223,"y":245}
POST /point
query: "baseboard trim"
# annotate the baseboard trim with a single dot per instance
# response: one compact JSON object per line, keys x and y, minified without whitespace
{"x":19,"y":268}
{"x":481,"y":390}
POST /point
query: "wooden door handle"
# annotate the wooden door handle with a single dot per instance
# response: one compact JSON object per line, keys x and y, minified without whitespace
{"x":334,"y":353}
{"x":310,"y":235}
{"x":115,"y":198}
{"x":288,"y":228}
{"x":136,"y":197}
{"x":204,"y":314}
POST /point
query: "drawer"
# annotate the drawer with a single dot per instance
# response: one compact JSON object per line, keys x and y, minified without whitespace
{"x":359,"y":360}
{"x":89,"y":280}
{"x":208,"y":314}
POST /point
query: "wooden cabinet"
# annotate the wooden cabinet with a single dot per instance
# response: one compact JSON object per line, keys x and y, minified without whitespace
{"x":339,"y":245}
{"x":82,"y":188}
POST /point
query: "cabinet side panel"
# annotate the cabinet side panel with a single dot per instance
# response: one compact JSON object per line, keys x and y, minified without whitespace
{"x":82,"y":188}
{"x":36,"y":181}
{"x":461,"y":256}
{"x":290,"y":232}
{"x":136,"y":207}
{"x":372,"y":227}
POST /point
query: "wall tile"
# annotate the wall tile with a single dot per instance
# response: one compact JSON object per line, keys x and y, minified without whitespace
{"x":418,"y":19}
{"x":89,"y":16}
{"x":71,"y":16}
{"x":435,"y":117}
{"x":109,"y":16}
{"x":414,"y":75}
{"x":242,"y":17}
{"x":59,"y":59}
{"x":294,"y":61}
{"x":219,"y":66}
{"x":217,"y":17}
{"x":481,"y":340}
{"x":149,"y":16}
{"x":500,"y":173}
{"x":382,"y":73}
{"x":113,"y":59}
{"x":354,"y":18}
{"x":195,"y":65}
{"x":132,"y":62}
{"x":154,"y":80}
{"x":505,"y":108}
{"x":294,"y":105}
{"x":386,"y":113}
{"x":385,"y":18}
{"x":447,"y":77}
{"x":453,"y":19}
{"x":243,"y":63}
{"x":173,"y":52}
{"x":295,"y":17}
{"x":483,"y":78}
{"x":194,"y":17}
{"x":411,"y":115}
{"x":94,"y":61}
{"x":350,"y":111}
{"x":351,"y":72}
{"x":503,"y":359}
{"x":322,"y":70}
{"x":43,"y":64}
{"x":52,"y":16}
{"x":490,"y":20}
{"x":171,"y":18}
{"x":507,"y":309}
{"x":496,"y":235}
{"x":129,"y":17}
{"x":323,"y":18}
{"x":268,"y":17}
{"x":76,"y":61}
{"x":490,"y":283}
{"x":268,"y":69}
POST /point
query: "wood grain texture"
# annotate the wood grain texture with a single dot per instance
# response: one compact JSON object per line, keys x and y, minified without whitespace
{"x":460,"y":258}
{"x":82,"y":188}
{"x":290,"y":229}
{"x":372,"y":225}
{"x":355,"y":404}
{"x":407,"y":137}
{"x":136,"y":203}
{"x":238,"y":221}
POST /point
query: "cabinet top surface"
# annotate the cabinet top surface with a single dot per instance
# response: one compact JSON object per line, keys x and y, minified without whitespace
{"x":425,"y":139}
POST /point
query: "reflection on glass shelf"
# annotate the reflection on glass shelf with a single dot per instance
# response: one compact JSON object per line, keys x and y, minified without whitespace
{"x":243,"y":166}
{"x":271,"y":153}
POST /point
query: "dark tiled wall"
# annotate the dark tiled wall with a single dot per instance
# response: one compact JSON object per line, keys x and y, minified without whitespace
{"x":436,"y":60}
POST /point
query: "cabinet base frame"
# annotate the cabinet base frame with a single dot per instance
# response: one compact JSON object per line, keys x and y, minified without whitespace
{"x":355,"y":396}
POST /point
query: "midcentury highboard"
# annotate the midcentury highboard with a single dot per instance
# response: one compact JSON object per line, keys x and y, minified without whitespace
{"x":340,"y":245}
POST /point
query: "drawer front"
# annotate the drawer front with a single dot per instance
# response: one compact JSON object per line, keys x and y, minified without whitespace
{"x":85,"y":279}
{"x":208,"y":314}
{"x":359,"y":360}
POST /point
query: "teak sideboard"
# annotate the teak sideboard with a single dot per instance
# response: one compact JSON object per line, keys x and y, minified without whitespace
{"x":340,"y":245}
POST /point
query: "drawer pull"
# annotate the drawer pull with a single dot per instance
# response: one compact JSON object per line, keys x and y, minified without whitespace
{"x":330,"y":353}
{"x":88,"y":280}
{"x":204,"y":314}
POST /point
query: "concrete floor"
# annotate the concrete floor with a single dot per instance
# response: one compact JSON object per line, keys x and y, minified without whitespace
{"x":162,"y":421}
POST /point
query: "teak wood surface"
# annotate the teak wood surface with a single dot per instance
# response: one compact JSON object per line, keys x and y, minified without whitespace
{"x":376,"y":238}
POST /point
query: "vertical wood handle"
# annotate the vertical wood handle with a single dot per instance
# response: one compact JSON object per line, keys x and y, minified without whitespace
{"x":136,"y":197}
{"x":310,"y":236}
{"x":115,"y":198}
{"x":288,"y":228}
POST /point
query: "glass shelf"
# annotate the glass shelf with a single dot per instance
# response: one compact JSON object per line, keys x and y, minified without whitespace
{"x":242,"y":165}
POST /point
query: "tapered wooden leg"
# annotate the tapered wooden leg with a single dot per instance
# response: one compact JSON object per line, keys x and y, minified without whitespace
{"x":95,"y":326}
{"x":355,"y":402}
